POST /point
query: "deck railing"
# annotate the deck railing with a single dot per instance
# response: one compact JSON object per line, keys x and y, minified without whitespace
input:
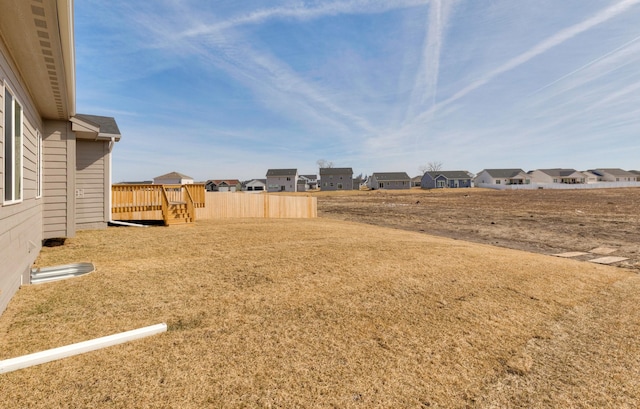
{"x":151,"y":202}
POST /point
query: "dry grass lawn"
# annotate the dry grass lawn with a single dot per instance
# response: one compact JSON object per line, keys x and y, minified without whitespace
{"x":323,"y":313}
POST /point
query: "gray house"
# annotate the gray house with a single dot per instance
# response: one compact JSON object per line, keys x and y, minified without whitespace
{"x":282,"y":180}
{"x":336,"y":179}
{"x":441,"y":179}
{"x":389,"y":180}
{"x":56,"y":174}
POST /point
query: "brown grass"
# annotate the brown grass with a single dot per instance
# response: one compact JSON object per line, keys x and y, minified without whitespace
{"x":323,"y":313}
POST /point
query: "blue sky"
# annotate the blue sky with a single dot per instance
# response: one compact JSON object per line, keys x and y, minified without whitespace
{"x":230,"y":88}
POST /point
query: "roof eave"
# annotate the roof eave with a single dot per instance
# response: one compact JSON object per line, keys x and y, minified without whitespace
{"x":67,"y":39}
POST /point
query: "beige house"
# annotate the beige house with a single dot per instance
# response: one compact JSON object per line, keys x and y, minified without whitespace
{"x":173,"y":178}
{"x":557,"y":175}
{"x":502,"y":177}
{"x":55,"y":164}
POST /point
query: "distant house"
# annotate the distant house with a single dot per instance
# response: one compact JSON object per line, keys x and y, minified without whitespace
{"x":566,"y":176}
{"x":502,"y":177}
{"x":222,"y":185}
{"x":282,"y":180}
{"x":637,"y":173}
{"x":590,"y":177}
{"x":55,"y":177}
{"x":389,"y":180}
{"x":307,"y":182}
{"x":415,"y":181}
{"x":173,"y":178}
{"x":449,"y":179}
{"x":358,"y":182}
{"x":255,"y":185}
{"x":615,"y":175}
{"x":336,"y":179}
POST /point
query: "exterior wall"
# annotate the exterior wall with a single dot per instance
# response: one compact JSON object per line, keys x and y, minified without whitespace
{"x":277,"y":183}
{"x":20,"y":222}
{"x":92,"y":184}
{"x":389,"y":184}
{"x":336,"y":182}
{"x":608,"y":177}
{"x":427,"y":182}
{"x":59,"y":181}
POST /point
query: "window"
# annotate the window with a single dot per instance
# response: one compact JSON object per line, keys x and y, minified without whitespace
{"x":12,"y":148}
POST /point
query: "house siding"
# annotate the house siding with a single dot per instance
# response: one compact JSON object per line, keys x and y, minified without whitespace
{"x":343,"y":181}
{"x":91,"y":196}
{"x":59,"y":181}
{"x":275,"y":183}
{"x":20,"y":223}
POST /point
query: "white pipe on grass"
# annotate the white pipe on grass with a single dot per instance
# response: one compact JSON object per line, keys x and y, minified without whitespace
{"x":13,"y":364}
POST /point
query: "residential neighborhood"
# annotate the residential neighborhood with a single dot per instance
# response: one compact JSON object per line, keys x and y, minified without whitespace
{"x":342,"y":178}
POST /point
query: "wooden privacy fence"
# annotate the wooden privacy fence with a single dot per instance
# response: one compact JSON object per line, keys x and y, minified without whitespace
{"x":221,"y":205}
{"x":176,"y":204}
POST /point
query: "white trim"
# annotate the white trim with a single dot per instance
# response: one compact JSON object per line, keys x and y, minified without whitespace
{"x":13,"y":364}
{"x":39,"y":160}
{"x":7,"y":89}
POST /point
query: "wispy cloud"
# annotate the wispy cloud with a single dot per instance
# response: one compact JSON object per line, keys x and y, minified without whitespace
{"x":587,"y":65}
{"x":419,"y":123}
{"x":544,"y":46}
{"x":304,"y":12}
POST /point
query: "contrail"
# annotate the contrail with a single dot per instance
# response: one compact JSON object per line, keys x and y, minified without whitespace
{"x":590,"y":63}
{"x":540,"y":48}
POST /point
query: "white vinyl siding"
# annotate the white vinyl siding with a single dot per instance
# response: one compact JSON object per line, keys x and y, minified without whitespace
{"x":12,"y":144}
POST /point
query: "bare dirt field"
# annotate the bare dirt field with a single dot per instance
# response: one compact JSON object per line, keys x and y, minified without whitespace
{"x":540,"y":221}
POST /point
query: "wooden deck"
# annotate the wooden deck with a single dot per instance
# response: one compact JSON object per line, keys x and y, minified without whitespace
{"x":172,"y":204}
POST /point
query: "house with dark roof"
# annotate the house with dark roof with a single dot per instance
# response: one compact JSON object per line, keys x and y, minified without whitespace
{"x":332,"y":179}
{"x":222,"y":185}
{"x":557,"y":175}
{"x":173,"y":178}
{"x":389,"y":180}
{"x":502,"y":177}
{"x":255,"y":185}
{"x":637,"y":173}
{"x":282,"y":180}
{"x":307,"y":182}
{"x":56,"y":163}
{"x":614,"y":175}
{"x":442,"y":179}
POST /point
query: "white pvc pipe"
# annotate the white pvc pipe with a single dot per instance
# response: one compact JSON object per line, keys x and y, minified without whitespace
{"x":13,"y":364}
{"x":118,"y":222}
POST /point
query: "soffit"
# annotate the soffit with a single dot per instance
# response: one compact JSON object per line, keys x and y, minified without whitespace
{"x":39,"y":37}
